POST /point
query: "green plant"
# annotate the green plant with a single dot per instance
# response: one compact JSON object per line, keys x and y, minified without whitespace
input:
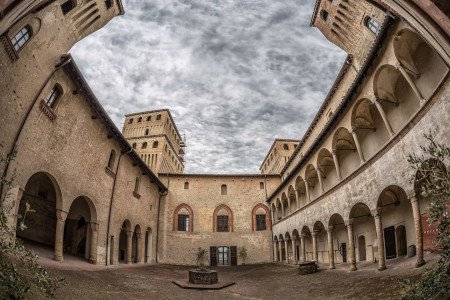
{"x":201,"y":255}
{"x":20,"y":274}
{"x":243,"y":254}
{"x":432,"y":181}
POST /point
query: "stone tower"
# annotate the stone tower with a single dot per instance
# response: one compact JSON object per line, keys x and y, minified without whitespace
{"x":278,"y":155}
{"x":352,"y":25}
{"x":155,"y":137}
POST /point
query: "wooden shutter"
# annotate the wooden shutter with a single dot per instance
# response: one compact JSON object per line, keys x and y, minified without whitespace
{"x":213,"y":256}
{"x":233,"y":254}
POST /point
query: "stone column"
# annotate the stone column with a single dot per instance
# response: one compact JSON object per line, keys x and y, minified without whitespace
{"x":282,"y":210}
{"x":419,"y":233}
{"x":294,"y":256}
{"x":412,"y":84}
{"x":281,"y":251}
{"x":384,"y":117}
{"x":319,"y":176}
{"x":358,"y":146}
{"x":302,"y":248}
{"x":286,"y":250}
{"x":336,"y":164}
{"x":314,"y":242}
{"x":307,"y":191}
{"x":94,"y":238}
{"x":138,"y":248}
{"x":351,"y":245}
{"x":330,"y":247}
{"x":275,"y":252}
{"x":59,"y":234}
{"x":380,"y":239}
{"x":129,"y":246}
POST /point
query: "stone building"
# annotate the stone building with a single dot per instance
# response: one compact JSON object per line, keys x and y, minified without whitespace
{"x":341,"y":194}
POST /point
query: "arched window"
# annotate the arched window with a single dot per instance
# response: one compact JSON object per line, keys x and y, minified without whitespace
{"x":139,"y":119}
{"x":144,"y":145}
{"x":324,"y":15}
{"x":21,"y":37}
{"x":261,"y":218}
{"x":183,"y":218}
{"x":149,"y":118}
{"x":286,"y":147}
{"x":67,"y":6}
{"x":108,"y":4}
{"x":186,"y":185}
{"x":134,"y":145}
{"x":155,"y":144}
{"x":112,"y":160}
{"x":261,"y":185}
{"x":137,"y":183}
{"x":223,"y":219}
{"x":158,"y":117}
{"x":130,"y":121}
{"x":53,"y":96}
{"x":372,"y":24}
{"x":223,"y":189}
{"x":146,"y":131}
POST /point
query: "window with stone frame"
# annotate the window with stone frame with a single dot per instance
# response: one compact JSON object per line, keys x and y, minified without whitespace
{"x":21,"y":38}
{"x":130,"y":121}
{"x":222,"y":223}
{"x":53,"y":96}
{"x":139,"y":120}
{"x":108,"y":4}
{"x":261,"y":222}
{"x":261,"y":185}
{"x":155,"y":144}
{"x":223,"y":189}
{"x":67,"y":6}
{"x":186,"y":185}
{"x":158,"y":117}
{"x":144,"y":145}
{"x":372,"y":25}
{"x":183,"y":222}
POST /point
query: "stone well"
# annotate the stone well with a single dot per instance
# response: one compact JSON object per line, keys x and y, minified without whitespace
{"x":307,"y":267}
{"x":203,"y":276}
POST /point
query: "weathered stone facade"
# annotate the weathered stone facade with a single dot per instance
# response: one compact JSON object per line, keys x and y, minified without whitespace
{"x":344,"y":186}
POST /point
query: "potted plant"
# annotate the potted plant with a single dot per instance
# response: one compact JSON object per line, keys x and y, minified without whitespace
{"x":201,"y":254}
{"x":243,"y":254}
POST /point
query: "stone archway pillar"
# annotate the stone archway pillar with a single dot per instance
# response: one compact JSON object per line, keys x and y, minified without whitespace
{"x":302,"y":248}
{"x":294,"y":256}
{"x":129,"y":246}
{"x":380,"y":239}
{"x":351,"y":245}
{"x":330,"y":247}
{"x":94,"y":239}
{"x":358,"y":146}
{"x":319,"y":176}
{"x":307,"y":191}
{"x":61,"y":217}
{"x":336,"y":163}
{"x":280,"y":249}
{"x":314,"y":242}
{"x":412,"y":84}
{"x":380,"y":109}
{"x":418,"y":228}
{"x":275,"y":252}
{"x":138,"y":248}
{"x":286,"y":251}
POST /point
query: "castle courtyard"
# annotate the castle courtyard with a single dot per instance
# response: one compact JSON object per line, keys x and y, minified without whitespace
{"x":262,"y":281}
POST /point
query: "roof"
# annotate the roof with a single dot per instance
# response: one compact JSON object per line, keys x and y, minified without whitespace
{"x":341,"y":108}
{"x":273,"y":145}
{"x":218,"y":175}
{"x":97,"y":110}
{"x":155,"y":111}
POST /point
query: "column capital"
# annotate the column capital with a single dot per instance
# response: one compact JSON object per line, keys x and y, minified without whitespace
{"x":94,"y":226}
{"x":334,"y":151}
{"x":61,"y":215}
{"x":129,"y":232}
{"x":302,"y":236}
{"x":376,"y":212}
{"x":349,"y":222}
{"x":138,"y":235}
{"x":413,"y":197}
{"x":330,"y":228}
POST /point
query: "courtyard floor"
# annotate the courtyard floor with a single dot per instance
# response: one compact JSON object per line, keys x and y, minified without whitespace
{"x":267,"y":281}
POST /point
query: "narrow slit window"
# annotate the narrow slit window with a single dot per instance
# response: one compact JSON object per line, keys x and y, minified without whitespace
{"x":53,"y":96}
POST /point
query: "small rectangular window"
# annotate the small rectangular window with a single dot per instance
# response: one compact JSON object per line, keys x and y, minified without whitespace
{"x":158,"y":117}
{"x":108,"y":4}
{"x":67,"y":6}
{"x":183,"y":222}
{"x":52,"y":97}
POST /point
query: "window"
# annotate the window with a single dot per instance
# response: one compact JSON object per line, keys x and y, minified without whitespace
{"x":136,"y":185}
{"x":112,"y":159}
{"x":324,"y":15}
{"x":260,"y":222}
{"x":20,"y":38}
{"x":146,"y":131}
{"x":149,"y":118}
{"x":286,"y":147}
{"x":144,"y":145}
{"x":222,"y":223}
{"x":52,"y":96}
{"x":261,"y":185}
{"x":130,"y":121}
{"x":158,"y":117}
{"x":183,"y":222}
{"x":134,"y":145}
{"x":372,"y":24}
{"x":186,"y":185}
{"x":67,"y":6}
{"x":139,"y":119}
{"x":155,"y":144}
{"x":108,"y":4}
{"x":223,"y":189}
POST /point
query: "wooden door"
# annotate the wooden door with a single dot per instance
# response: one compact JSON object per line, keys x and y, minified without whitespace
{"x":213,"y":256}
{"x":233,"y":255}
{"x":389,"y":242}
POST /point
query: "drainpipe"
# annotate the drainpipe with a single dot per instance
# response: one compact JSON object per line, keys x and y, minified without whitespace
{"x":157,"y":219}
{"x":65,"y":59}
{"x":108,"y":245}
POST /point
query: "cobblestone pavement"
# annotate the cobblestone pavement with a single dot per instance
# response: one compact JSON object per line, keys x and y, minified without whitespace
{"x":267,"y":281}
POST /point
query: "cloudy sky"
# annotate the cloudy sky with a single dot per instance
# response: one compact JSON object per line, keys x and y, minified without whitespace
{"x":235,"y":74}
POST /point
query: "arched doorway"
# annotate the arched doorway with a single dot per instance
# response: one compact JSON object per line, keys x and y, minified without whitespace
{"x":136,"y":246}
{"x":125,"y":232}
{"x":362,"y":248}
{"x":148,"y":245}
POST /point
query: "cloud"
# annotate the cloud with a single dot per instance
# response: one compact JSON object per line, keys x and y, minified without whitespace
{"x":235,"y":74}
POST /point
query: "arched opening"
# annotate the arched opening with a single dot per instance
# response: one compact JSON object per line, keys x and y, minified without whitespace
{"x":222,"y":219}
{"x":279,"y":210}
{"x":327,"y":169}
{"x":288,"y":250}
{"x":276,"y":252}
{"x":79,"y":227}
{"x":274,"y":213}
{"x":285,"y":202}
{"x":260,"y":218}
{"x":340,"y":238}
{"x":369,"y":126}
{"x":300,"y":187}
{"x":282,"y":248}
{"x":292,"y":199}
{"x":125,"y":231}
{"x":296,"y":241}
{"x":136,"y":245}
{"x":346,"y":151}
{"x":426,"y":67}
{"x":42,"y":194}
{"x":312,"y":179}
{"x":148,"y":245}
{"x":362,"y":248}
{"x":363,"y":224}
{"x":396,"y":212}
{"x":307,"y":238}
{"x":396,"y":96}
{"x":223,"y":189}
{"x":320,"y":236}
{"x":183,"y":218}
